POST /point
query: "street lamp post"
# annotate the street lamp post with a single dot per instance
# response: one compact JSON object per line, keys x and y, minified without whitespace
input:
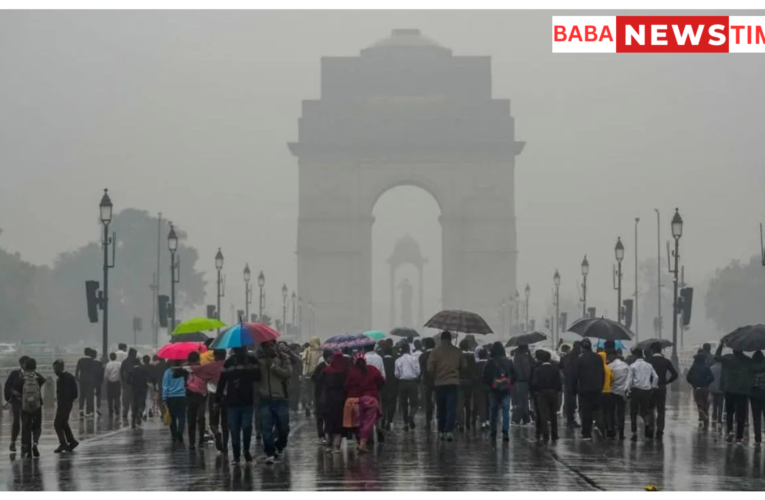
{"x":658,"y":272}
{"x":517,"y":307}
{"x":677,"y":232}
{"x":300,"y":314}
{"x":637,"y":316}
{"x":105,"y":208}
{"x":294,"y":298}
{"x":619,"y":252}
{"x":247,"y":292}
{"x":556,"y":280}
{"x":262,"y":298}
{"x":583,"y":298}
{"x":221,"y":280}
{"x":284,"y":308}
{"x":172,"y":245}
{"x":528,"y":294}
{"x":311,"y":317}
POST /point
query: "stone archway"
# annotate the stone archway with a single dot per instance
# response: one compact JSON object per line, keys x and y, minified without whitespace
{"x":405,"y":112}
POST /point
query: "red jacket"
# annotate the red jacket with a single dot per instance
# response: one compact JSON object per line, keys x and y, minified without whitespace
{"x":358,"y":384}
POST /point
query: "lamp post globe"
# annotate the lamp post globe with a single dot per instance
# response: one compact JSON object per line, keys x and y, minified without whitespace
{"x":619,"y":250}
{"x":247,"y":273}
{"x":677,"y":225}
{"x":172,"y":239}
{"x":528,"y":291}
{"x":106,"y":208}
{"x":219,"y":260}
{"x":261,"y":280}
{"x":284,"y":291}
{"x":556,"y":278}
{"x":585,"y":266}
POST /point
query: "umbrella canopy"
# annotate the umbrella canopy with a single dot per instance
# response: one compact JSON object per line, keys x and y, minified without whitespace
{"x":401,"y":331}
{"x":199,"y":324}
{"x":349,"y":341}
{"x":617,"y":344}
{"x":243,"y":335}
{"x":180,"y":350}
{"x":459,"y":321}
{"x":600,"y":328}
{"x":747,"y":338}
{"x":189,"y":337}
{"x":645,"y":344}
{"x":375,"y":335}
{"x":526,"y":339}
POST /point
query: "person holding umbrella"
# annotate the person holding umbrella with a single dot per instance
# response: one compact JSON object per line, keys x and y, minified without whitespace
{"x":445,"y":364}
{"x":667,"y":374}
{"x":235,"y":393}
{"x":275,"y":374}
{"x":738,"y":376}
{"x":589,"y":379}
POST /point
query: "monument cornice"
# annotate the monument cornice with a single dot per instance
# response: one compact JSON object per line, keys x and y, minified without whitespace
{"x":390,"y":151}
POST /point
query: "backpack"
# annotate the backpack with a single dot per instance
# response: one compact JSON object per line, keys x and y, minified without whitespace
{"x":501,"y":382}
{"x":30,"y":393}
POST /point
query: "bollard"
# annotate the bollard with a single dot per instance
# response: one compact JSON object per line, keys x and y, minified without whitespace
{"x":48,"y":393}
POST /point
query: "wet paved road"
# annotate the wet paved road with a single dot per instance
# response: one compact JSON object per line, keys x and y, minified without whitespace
{"x":114,"y":458}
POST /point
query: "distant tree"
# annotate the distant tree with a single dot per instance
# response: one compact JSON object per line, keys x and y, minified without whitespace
{"x":129,"y":281}
{"x":265,"y":319}
{"x":736,"y":295}
{"x":18,"y":309}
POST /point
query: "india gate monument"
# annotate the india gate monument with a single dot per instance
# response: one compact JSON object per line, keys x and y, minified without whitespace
{"x":406,"y":111}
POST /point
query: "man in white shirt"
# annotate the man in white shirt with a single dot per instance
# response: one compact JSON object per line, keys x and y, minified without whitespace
{"x":620,"y":386}
{"x":113,"y":384}
{"x":121,"y":352}
{"x":643,"y":380}
{"x":374,"y":359}
{"x":408,"y":375}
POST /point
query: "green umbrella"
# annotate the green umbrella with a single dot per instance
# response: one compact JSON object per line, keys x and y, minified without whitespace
{"x":195,"y":325}
{"x":375,"y":335}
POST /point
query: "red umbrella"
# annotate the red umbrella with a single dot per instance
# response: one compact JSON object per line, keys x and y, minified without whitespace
{"x":180,"y":350}
{"x":261,"y":333}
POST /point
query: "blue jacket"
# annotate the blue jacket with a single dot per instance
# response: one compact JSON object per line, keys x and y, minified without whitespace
{"x":173,"y":387}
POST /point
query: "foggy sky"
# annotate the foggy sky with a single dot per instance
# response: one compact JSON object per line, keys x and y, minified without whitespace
{"x":188,"y":113}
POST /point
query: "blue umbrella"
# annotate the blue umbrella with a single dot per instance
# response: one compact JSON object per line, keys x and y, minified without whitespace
{"x":349,"y":341}
{"x":236,"y":336}
{"x":619,"y":345}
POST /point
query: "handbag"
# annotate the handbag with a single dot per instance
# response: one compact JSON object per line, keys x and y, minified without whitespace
{"x":166,"y":419}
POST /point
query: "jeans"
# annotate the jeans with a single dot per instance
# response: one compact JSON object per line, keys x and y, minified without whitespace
{"x":589,"y":403}
{"x":736,"y":404}
{"x":428,"y":391}
{"x":137,"y":406}
{"x":659,"y":403}
{"x":407,"y":398}
{"x":240,"y":427}
{"x":127,"y":399}
{"x":177,"y":408}
{"x":758,"y":405}
{"x":701,"y":398}
{"x":497,"y":401}
{"x":113,"y":394}
{"x":446,"y":402}
{"x":61,"y":423}
{"x":31,"y":428}
{"x":464,"y":405}
{"x":274,"y":424}
{"x":195,"y":415}
{"x":640,"y":404}
{"x":521,"y":413}
{"x":86,"y":396}
{"x":16,"y":426}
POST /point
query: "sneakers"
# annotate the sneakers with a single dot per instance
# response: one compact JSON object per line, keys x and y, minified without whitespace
{"x":247,"y":456}
{"x":35,"y":451}
{"x":505,"y":437}
{"x":73,"y":445}
{"x":270,"y":460}
{"x":61,"y":448}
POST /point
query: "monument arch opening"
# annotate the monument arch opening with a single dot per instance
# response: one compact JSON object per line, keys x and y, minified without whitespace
{"x":405,"y":111}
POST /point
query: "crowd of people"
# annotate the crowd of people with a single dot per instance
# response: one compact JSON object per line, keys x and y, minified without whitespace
{"x":362,"y":395}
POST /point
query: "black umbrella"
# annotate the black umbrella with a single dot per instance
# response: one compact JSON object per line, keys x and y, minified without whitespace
{"x":459,"y":321}
{"x":189,"y":337}
{"x":645,"y":344}
{"x":401,"y":331}
{"x":747,"y":338}
{"x":526,"y":339}
{"x":600,"y":328}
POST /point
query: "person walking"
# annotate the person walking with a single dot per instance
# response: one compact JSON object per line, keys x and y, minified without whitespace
{"x":126,"y":368}
{"x":523,"y":365}
{"x":643,"y":381}
{"x":480,"y":391}
{"x":699,"y":377}
{"x":235,"y":393}
{"x":66,"y":395}
{"x":445,"y":363}
{"x":568,"y":366}
{"x":28,"y":389}
{"x":757,"y":396}
{"x":85,"y":373}
{"x":174,"y":398}
{"x":139,"y":379}
{"x":607,"y":414}
{"x":620,"y":388}
{"x":589,"y":378}
{"x":465,"y":392}
{"x":407,"y":372}
{"x":98,"y":380}
{"x":312,"y":357}
{"x":498,"y":377}
{"x":197,"y":377}
{"x":275,"y":373}
{"x":738,"y":379}
{"x":362,"y":387}
{"x":217,"y":411}
{"x":113,"y":385}
{"x":717,"y":395}
{"x":546,"y":384}
{"x":667,"y":374}
{"x":331,"y":379}
{"x":427,"y":382}
{"x":13,"y":399}
{"x":389,"y":394}
{"x":318,"y":394}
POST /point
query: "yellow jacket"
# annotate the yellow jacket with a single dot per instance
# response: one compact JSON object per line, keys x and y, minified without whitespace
{"x":609,"y":375}
{"x":207,"y":357}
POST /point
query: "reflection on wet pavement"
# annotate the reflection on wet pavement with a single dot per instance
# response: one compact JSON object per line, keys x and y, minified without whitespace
{"x":116,"y":458}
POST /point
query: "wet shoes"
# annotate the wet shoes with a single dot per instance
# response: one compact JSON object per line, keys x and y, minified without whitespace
{"x":35,"y":451}
{"x":12,"y":448}
{"x":73,"y":445}
{"x":247,"y":456}
{"x":61,"y":448}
